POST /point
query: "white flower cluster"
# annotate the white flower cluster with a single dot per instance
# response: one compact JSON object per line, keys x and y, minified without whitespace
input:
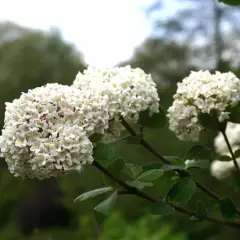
{"x":202,"y":92}
{"x":220,"y":169}
{"x":129,"y":91}
{"x":46,"y":130}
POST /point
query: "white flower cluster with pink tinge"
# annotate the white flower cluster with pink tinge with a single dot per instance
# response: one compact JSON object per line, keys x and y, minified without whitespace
{"x":46,"y":131}
{"x":220,"y":169}
{"x":202,"y":93}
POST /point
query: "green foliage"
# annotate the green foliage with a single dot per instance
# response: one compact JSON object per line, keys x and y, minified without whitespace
{"x":106,"y":206}
{"x":104,"y":152}
{"x":93,"y":193}
{"x":200,"y":164}
{"x":150,"y":175}
{"x":199,"y":152}
{"x":156,"y":121}
{"x":139,"y":185}
{"x":224,"y":158}
{"x":231,"y":2}
{"x":227,"y":207}
{"x":209,"y":121}
{"x":161,"y":208}
{"x":201,"y":210}
{"x":133,"y":170}
{"x":182,"y":191}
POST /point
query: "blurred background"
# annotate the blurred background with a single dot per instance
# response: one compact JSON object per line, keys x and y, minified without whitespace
{"x":50,"y":41}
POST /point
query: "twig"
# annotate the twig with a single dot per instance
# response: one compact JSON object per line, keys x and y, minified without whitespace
{"x":182,"y":173}
{"x":230,"y":150}
{"x":134,"y":191}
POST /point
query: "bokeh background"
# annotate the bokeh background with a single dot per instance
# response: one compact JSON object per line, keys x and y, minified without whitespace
{"x":50,"y":41}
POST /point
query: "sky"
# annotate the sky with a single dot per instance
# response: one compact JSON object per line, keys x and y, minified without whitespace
{"x":105,"y":31}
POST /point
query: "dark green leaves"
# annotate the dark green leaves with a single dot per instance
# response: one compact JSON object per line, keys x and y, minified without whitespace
{"x":134,"y":139}
{"x":182,"y":191}
{"x":201,"y":210}
{"x":208,"y":121}
{"x":93,"y":193}
{"x":235,"y":113}
{"x":237,"y":153}
{"x":224,"y":158}
{"x":139,"y":185}
{"x":168,"y":167}
{"x":133,"y":169}
{"x":202,"y":164}
{"x":156,"y":121}
{"x":115,"y":168}
{"x":231,"y":2}
{"x":150,"y":175}
{"x":104,"y":152}
{"x":198,"y":152}
{"x":161,"y":208}
{"x":107,"y":205}
{"x":227,"y":207}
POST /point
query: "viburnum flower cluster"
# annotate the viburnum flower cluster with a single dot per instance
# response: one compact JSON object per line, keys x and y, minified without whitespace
{"x":220,"y":169}
{"x":129,"y":91}
{"x":46,"y":130}
{"x":202,"y":93}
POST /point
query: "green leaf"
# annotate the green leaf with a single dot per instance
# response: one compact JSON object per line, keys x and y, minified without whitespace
{"x":209,"y":121}
{"x":156,"y":121}
{"x":174,"y":160}
{"x":201,"y":210}
{"x":227,"y":207}
{"x":231,"y":2}
{"x":150,"y":166}
{"x":133,"y":169}
{"x":104,"y":152}
{"x":161,"y":208}
{"x":108,"y":204}
{"x":202,"y":164}
{"x":93,"y":193}
{"x":224,"y":158}
{"x":198,"y":152}
{"x":237,"y":153}
{"x":139,"y":185}
{"x":115,"y":168}
{"x":168,"y":167}
{"x":182,"y":191}
{"x":150,"y":175}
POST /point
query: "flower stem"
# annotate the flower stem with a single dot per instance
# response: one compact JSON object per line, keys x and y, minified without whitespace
{"x":134,"y":191}
{"x":230,"y":150}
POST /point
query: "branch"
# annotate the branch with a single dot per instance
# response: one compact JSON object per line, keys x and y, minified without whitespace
{"x":134,"y":191}
{"x":182,"y":173}
{"x":230,"y":150}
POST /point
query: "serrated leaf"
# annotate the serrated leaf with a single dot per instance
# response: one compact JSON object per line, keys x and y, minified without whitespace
{"x":115,"y":168}
{"x":182,"y":191}
{"x":150,"y":175}
{"x":156,"y":121}
{"x":227,"y":207}
{"x":161,"y":208}
{"x":133,"y":169}
{"x":237,"y":153}
{"x":106,"y":206}
{"x":93,"y":193}
{"x":168,"y":167}
{"x":201,"y":210}
{"x":139,"y":185}
{"x":224,"y":158}
{"x":104,"y":152}
{"x":154,"y":165}
{"x":202,"y":164}
{"x":198,"y":152}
